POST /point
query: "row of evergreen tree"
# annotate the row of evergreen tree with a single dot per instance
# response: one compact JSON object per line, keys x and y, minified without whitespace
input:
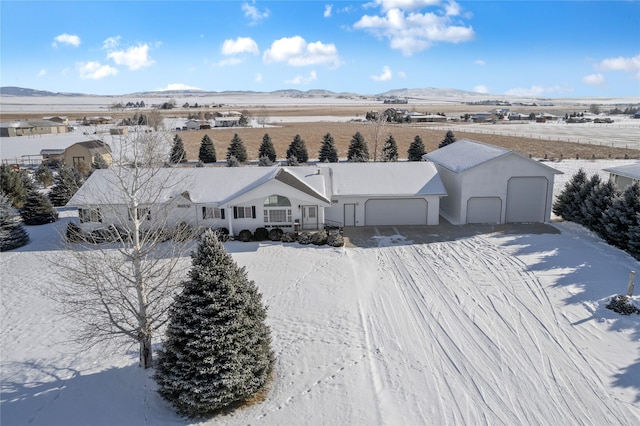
{"x":297,"y":153}
{"x":601,"y":207}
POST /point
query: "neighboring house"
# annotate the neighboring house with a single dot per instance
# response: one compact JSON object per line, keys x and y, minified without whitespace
{"x":489,"y":184}
{"x":58,"y":119}
{"x":226,"y":121}
{"x":85,"y":152}
{"x":289,"y":198}
{"x":193,"y":124}
{"x":101,"y":119}
{"x":52,"y":157}
{"x":435,"y":118}
{"x":28,"y":128}
{"x":624,"y":176}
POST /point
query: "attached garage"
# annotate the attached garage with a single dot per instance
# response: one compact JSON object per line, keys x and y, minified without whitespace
{"x":524,"y":195}
{"x":490,"y":184}
{"x":484,"y":210}
{"x":403,"y":211}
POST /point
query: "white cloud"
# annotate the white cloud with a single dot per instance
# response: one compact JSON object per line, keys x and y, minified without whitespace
{"x":327,"y":10}
{"x":94,"y":70}
{"x":479,"y":62}
{"x":177,"y":86}
{"x":65,"y":38}
{"x":134,"y":58}
{"x":302,"y":80}
{"x":229,"y":62}
{"x":258,"y":78}
{"x":621,"y":63}
{"x":111,"y":43}
{"x":42,"y":73}
{"x":481,"y":88}
{"x":412,"y":31}
{"x":594,"y":79}
{"x":239,"y":46}
{"x":296,"y":52}
{"x":386,"y":75}
{"x":538,"y":91}
{"x":253,"y":13}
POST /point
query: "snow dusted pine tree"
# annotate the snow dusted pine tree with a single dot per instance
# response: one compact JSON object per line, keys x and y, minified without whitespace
{"x":328,"y":151}
{"x":358,"y":151}
{"x":217,"y":351}
{"x":634,"y":239}
{"x":596,"y":203}
{"x":12,"y":233}
{"x":38,"y":210}
{"x":207,"y":153}
{"x":568,"y":200}
{"x":416,"y":149}
{"x":389,"y":150}
{"x":622,"y":216}
{"x":237,"y":149}
{"x":584,"y":193}
{"x":267,"y":149}
{"x":65,"y":184}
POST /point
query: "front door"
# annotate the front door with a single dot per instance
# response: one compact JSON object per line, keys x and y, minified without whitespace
{"x":349,"y":215}
{"x":309,"y":217}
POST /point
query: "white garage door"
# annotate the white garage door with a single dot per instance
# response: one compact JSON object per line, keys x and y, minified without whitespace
{"x":403,"y":211}
{"x":484,"y":210}
{"x":526,"y":199}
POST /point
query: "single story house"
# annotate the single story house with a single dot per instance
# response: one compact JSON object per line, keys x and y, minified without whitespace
{"x":100,"y":119}
{"x":85,"y":152}
{"x":226,"y":121}
{"x":489,"y":184}
{"x":625,"y":176}
{"x":32,"y":127}
{"x":289,"y":198}
{"x":58,"y":119}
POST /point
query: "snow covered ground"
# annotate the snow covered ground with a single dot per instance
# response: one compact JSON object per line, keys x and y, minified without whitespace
{"x":490,"y":329}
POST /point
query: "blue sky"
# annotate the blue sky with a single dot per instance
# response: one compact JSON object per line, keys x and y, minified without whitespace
{"x":540,"y":48}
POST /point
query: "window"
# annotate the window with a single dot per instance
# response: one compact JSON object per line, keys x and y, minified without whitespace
{"x":141,"y":213}
{"x":277,"y":201}
{"x":277,"y":215}
{"x":77,"y":160}
{"x":212,"y":213}
{"x":90,"y":215}
{"x":244,"y":212}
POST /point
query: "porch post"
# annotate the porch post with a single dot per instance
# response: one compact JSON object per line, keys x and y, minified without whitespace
{"x":230,"y":216}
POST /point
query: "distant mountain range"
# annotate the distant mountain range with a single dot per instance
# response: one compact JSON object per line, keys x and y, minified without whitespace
{"x":397,"y":93}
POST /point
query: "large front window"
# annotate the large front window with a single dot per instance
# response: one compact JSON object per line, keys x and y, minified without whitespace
{"x":90,"y":215}
{"x":277,"y":209}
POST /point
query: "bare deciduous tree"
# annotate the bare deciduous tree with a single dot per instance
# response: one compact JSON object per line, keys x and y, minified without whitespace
{"x":378,"y":134}
{"x":120,"y":278}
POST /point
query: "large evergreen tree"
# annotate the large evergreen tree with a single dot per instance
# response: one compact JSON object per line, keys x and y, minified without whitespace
{"x":596,"y":203}
{"x":43,"y":175}
{"x":178,"y":153}
{"x":633,"y":239}
{"x":12,"y":186}
{"x":578,"y":216}
{"x":65,"y":184}
{"x":218,"y":347}
{"x":568,"y":201}
{"x":267,"y":149}
{"x":622,"y":217}
{"x":298,"y":149}
{"x":237,"y":149}
{"x":358,"y":151}
{"x":328,"y":151}
{"x":449,"y":138}
{"x":416,"y":149}
{"x":37,"y":209}
{"x":12,"y":233}
{"x":390,"y":149}
{"x":207,"y":153}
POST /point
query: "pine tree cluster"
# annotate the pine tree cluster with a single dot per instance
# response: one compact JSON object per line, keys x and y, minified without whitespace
{"x":217,"y":351}
{"x":12,"y":233}
{"x":602,"y":208}
{"x":38,"y":210}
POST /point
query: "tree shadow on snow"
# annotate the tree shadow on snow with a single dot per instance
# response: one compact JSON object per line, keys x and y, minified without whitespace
{"x":52,"y":395}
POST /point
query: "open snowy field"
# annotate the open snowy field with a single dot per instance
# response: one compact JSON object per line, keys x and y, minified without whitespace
{"x":490,"y":329}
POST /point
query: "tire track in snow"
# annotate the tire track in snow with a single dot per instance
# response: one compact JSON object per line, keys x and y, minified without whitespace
{"x":486,"y":338}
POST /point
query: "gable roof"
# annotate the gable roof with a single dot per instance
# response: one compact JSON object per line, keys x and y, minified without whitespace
{"x":393,"y":179}
{"x":466,"y":154}
{"x":630,"y":171}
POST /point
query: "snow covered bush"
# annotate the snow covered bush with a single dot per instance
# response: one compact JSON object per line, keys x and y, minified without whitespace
{"x":275,"y":234}
{"x":623,"y":304}
{"x":217,"y":352}
{"x":335,"y":240}
{"x":245,"y":236}
{"x":288,"y":237}
{"x":319,"y":238}
{"x":304,"y":238}
{"x":261,"y":234}
{"x":12,"y":233}
{"x":222,"y":234}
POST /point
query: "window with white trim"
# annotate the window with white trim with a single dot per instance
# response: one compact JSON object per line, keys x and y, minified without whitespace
{"x":212,"y":213}
{"x":244,"y":212}
{"x":90,"y":215}
{"x":274,"y":211}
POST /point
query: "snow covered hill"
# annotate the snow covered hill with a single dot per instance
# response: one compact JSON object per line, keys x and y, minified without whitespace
{"x":490,"y":329}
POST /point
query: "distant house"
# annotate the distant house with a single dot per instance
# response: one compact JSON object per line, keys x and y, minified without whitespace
{"x":489,"y":184}
{"x":435,"y":118}
{"x":32,"y":127}
{"x":58,"y":119}
{"x":92,"y":121}
{"x":121,"y":131}
{"x":481,"y":117}
{"x":52,"y":157}
{"x":226,"y":121}
{"x":625,"y":176}
{"x":289,"y":198}
{"x":193,"y":124}
{"x":86,"y":152}
{"x":637,"y":114}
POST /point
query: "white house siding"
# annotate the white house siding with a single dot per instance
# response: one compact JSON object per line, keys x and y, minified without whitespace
{"x":450,"y":205}
{"x":393,"y":211}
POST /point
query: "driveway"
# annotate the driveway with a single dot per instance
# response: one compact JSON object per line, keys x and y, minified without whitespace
{"x":381,"y":236}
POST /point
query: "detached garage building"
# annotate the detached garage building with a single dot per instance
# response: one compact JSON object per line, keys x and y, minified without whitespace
{"x":489,"y":184}
{"x":369,"y":194}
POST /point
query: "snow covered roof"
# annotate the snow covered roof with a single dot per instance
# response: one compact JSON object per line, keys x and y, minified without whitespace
{"x":386,"y":179}
{"x":466,"y":154}
{"x":203,"y":184}
{"x":631,"y":171}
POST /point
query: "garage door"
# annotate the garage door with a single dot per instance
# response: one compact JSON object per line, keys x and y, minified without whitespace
{"x":526,"y":199}
{"x":484,"y":210}
{"x":403,"y":211}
